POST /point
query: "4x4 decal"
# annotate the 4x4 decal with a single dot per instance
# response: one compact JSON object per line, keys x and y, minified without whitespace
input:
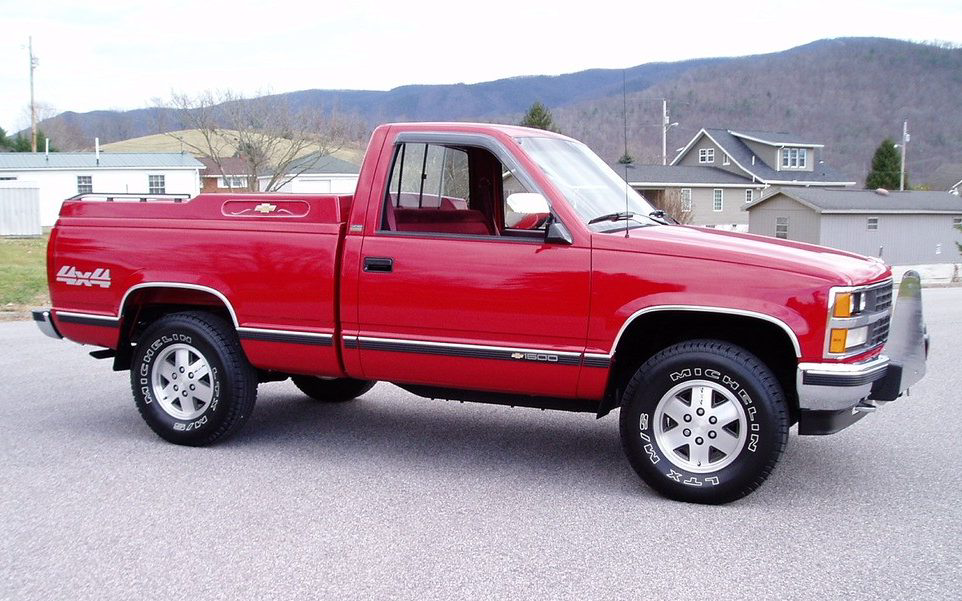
{"x":74,"y":277}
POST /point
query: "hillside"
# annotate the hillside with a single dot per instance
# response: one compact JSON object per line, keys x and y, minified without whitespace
{"x":165,"y":143}
{"x":848,"y":93}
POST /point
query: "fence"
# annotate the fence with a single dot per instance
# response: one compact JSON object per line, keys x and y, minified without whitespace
{"x":19,"y":209}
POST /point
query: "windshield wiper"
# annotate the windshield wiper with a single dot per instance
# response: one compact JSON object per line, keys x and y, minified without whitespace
{"x":662,"y":217}
{"x":612,"y":217}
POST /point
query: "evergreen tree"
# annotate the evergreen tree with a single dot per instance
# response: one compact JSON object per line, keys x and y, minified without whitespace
{"x":886,"y":167}
{"x":21,"y":143}
{"x":538,"y":116}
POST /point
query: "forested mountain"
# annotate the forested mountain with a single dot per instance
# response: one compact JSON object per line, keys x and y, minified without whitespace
{"x":846,"y":93}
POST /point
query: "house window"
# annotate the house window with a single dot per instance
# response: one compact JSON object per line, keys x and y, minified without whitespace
{"x":706,"y":155}
{"x":7,"y":178}
{"x":957,"y":222}
{"x":156,"y":184}
{"x":686,"y":200}
{"x":872,"y":223}
{"x":726,"y":160}
{"x":794,"y":158}
{"x":232,"y":181}
{"x":85,"y":184}
{"x":749,"y":195}
{"x":781,"y":227}
{"x":718,"y":200}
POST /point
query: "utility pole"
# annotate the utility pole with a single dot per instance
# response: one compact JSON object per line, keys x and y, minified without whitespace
{"x":664,"y":132}
{"x":905,"y":146}
{"x":33,"y":107}
{"x":666,"y":124}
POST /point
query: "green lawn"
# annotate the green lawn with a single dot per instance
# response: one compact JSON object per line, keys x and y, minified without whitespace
{"x":23,"y":275}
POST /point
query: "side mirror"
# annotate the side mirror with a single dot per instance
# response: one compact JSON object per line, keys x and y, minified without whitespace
{"x":556,"y":232}
{"x":525,"y":211}
{"x":527,"y":203}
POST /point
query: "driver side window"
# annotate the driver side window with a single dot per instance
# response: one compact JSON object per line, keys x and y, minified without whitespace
{"x":457,"y":190}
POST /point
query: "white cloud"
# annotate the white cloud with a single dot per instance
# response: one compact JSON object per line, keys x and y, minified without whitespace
{"x":98,"y":56}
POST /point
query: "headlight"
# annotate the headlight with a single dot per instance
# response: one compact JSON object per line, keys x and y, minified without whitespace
{"x":848,"y":304}
{"x":854,"y":314}
{"x":842,"y":340}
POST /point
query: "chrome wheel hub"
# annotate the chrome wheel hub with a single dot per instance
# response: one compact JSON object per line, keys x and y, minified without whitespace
{"x":181,"y":382}
{"x":700,"y":426}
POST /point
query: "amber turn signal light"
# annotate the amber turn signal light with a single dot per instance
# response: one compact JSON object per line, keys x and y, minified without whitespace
{"x":843,"y":305}
{"x":836,"y":342}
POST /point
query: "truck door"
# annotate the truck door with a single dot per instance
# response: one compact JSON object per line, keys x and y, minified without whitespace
{"x":458,"y":287}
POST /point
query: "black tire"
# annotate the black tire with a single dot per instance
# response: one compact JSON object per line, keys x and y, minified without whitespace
{"x":332,"y":390}
{"x":229,"y":378}
{"x":730,"y":374}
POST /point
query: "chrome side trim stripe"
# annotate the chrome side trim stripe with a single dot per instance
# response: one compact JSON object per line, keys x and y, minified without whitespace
{"x":475,"y":351}
{"x":293,"y":337}
{"x":596,"y":360}
{"x":86,"y":319}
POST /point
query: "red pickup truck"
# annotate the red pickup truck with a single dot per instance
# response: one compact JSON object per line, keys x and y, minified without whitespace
{"x":495,"y":264}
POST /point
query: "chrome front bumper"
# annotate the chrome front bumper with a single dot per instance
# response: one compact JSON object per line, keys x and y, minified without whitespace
{"x":44,"y":321}
{"x":831,"y":396}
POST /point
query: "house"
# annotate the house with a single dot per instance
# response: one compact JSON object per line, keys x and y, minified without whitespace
{"x":313,"y":174}
{"x":902,"y":228}
{"x":232,"y":173}
{"x":721,"y":170}
{"x":713,"y":197}
{"x":60,"y":175}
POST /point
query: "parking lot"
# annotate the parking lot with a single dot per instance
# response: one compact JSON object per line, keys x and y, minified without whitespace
{"x":400,"y":497}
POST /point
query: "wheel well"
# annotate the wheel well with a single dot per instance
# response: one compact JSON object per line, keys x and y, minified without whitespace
{"x":655,"y":331}
{"x":146,"y":305}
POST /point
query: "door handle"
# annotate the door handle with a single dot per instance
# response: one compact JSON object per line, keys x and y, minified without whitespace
{"x":379,"y":264}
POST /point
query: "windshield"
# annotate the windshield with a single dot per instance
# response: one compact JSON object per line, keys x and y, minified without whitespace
{"x":588,"y":184}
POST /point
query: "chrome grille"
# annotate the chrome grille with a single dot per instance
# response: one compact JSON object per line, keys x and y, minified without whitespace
{"x":878,"y":298}
{"x":878,"y":332}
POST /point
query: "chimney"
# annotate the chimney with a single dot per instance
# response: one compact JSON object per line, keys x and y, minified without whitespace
{"x":97,"y":150}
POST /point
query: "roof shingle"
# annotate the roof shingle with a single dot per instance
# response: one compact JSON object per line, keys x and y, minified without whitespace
{"x":680,"y":174}
{"x":12,"y":161}
{"x":827,"y":200}
{"x":742,"y":155}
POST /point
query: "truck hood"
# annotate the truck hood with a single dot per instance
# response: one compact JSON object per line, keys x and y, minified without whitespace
{"x":834,"y":266}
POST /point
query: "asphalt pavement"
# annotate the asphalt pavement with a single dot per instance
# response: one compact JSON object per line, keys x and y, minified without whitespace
{"x":393,"y":496}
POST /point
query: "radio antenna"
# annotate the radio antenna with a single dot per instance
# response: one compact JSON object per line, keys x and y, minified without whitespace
{"x":625,"y":159}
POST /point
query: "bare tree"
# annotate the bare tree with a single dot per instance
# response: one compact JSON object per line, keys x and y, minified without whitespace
{"x":267,"y":132}
{"x":670,"y":202}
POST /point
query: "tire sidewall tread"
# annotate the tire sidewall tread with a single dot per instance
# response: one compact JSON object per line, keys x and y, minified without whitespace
{"x":235,"y":380}
{"x":752,"y":382}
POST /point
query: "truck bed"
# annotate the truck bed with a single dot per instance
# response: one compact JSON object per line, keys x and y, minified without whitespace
{"x":279,"y":284}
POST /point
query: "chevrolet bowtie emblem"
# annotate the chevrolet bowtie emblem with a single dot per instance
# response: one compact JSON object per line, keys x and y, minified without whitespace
{"x":265,"y":207}
{"x":517,"y":355}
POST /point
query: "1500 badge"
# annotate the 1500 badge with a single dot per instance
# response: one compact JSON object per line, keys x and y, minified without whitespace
{"x":72,"y":276}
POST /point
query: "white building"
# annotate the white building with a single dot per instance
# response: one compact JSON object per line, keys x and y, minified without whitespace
{"x":323,"y":175}
{"x":61,"y":175}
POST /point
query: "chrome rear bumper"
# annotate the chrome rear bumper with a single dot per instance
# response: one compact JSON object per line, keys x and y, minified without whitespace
{"x":44,"y":321}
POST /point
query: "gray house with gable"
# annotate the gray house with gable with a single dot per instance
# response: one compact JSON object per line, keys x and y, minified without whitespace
{"x":720,"y":171}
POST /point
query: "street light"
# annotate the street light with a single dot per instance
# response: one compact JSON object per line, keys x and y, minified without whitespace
{"x":664,"y":140}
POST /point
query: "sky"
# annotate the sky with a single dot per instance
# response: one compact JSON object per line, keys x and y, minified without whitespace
{"x":123,"y":55}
